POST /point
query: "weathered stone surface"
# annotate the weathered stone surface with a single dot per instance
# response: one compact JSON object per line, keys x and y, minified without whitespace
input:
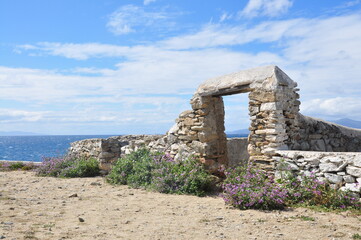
{"x":324,"y":136}
{"x":353,"y":187}
{"x":287,"y":166}
{"x":173,"y":129}
{"x":262,"y":77}
{"x":354,"y":171}
{"x":328,"y":167}
{"x":337,"y":168}
{"x":333,"y":178}
{"x":357,"y":162}
{"x":349,"y":179}
{"x":207,"y":136}
{"x":237,"y":151}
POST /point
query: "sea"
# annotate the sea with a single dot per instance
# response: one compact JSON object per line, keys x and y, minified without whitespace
{"x":35,"y":148}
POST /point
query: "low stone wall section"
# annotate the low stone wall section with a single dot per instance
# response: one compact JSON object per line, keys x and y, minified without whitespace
{"x":314,"y":134}
{"x":340,"y":169}
{"x":237,"y":151}
{"x":106,"y":151}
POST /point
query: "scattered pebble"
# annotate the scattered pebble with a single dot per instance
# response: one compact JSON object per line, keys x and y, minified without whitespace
{"x":73,"y":195}
{"x":81,"y":219}
{"x":7,"y":223}
{"x":95,"y":184}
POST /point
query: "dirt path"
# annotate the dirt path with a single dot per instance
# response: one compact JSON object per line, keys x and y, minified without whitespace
{"x":49,"y":208}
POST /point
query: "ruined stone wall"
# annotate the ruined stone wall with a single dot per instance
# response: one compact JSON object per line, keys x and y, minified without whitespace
{"x":106,"y":151}
{"x":200,"y":132}
{"x":237,"y":151}
{"x":342,"y":170}
{"x":318,"y":135}
{"x":272,"y":116}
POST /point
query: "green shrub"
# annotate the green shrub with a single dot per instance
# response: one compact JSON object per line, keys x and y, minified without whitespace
{"x":133,"y":169}
{"x":356,"y":236}
{"x":12,"y":166}
{"x":60,"y":167}
{"x":28,"y":167}
{"x":161,"y":173}
{"x":81,"y":168}
{"x":16,"y":165}
{"x":186,"y":177}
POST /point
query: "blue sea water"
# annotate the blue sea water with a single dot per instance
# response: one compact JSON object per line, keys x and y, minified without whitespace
{"x":34,"y":148}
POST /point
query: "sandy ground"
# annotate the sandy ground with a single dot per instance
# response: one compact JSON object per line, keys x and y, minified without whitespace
{"x":88,"y":208}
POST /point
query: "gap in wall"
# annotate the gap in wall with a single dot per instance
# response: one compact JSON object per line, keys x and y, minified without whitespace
{"x":236,"y":114}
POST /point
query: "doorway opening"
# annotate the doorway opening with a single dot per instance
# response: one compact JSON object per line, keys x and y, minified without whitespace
{"x":236,"y":122}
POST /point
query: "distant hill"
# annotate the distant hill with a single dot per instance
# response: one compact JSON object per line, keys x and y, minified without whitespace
{"x":18,"y":133}
{"x":240,"y":131}
{"x":348,"y":123}
{"x":344,"y":122}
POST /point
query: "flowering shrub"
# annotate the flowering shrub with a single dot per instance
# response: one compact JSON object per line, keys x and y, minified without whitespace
{"x":187,"y":176}
{"x":309,"y":190}
{"x":248,"y":187}
{"x":161,"y":173}
{"x":60,"y":167}
{"x":133,"y":169}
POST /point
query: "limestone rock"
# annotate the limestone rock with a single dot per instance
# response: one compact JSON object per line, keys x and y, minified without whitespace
{"x":354,"y":171}
{"x":353,"y":187}
{"x":333,"y":178}
{"x":349,"y":179}
{"x":328,"y":167}
{"x":357,"y":161}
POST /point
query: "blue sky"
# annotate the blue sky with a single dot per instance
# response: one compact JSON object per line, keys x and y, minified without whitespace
{"x":123,"y":67}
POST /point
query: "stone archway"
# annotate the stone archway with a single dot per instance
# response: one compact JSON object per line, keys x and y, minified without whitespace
{"x":273,"y":106}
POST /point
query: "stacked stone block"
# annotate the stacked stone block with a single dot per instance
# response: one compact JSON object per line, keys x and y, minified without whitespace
{"x":271,"y":118}
{"x":318,"y":135}
{"x":106,"y":151}
{"x":200,"y":132}
{"x":342,"y":170}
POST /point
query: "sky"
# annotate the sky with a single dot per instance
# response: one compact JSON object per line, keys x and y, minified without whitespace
{"x":131,"y":66}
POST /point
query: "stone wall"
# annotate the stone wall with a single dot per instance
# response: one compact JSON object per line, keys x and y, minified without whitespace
{"x":237,"y":151}
{"x":106,"y":151}
{"x":318,"y":135}
{"x":273,"y":106}
{"x":340,"y":169}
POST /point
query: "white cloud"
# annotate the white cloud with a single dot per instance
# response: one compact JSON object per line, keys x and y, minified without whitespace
{"x":216,"y":35}
{"x":321,"y":54}
{"x":130,"y":17}
{"x":333,"y":108}
{"x":14,"y":115}
{"x":271,"y":8}
{"x":225,"y":16}
{"x":146,"y":2}
{"x":78,"y":51}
